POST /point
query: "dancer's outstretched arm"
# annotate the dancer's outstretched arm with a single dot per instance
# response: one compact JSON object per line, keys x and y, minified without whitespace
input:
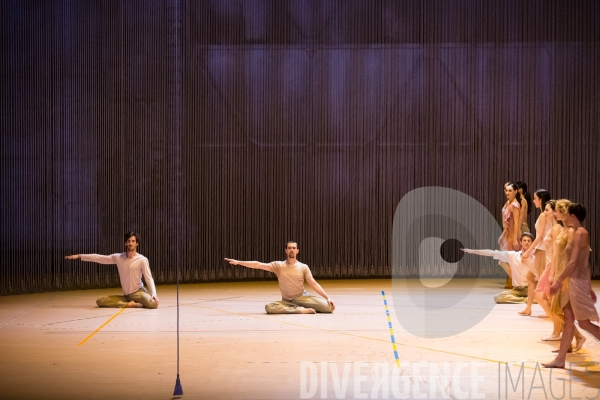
{"x":97,"y":258}
{"x":250,"y":264}
{"x":497,"y":254}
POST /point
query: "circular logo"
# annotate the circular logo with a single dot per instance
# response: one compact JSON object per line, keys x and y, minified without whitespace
{"x":438,"y":290}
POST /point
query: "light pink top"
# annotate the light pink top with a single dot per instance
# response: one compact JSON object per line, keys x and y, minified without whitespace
{"x":507,"y":214}
{"x":549,"y":245}
{"x":131,"y":270}
{"x":508,"y":224}
{"x":542,"y":231}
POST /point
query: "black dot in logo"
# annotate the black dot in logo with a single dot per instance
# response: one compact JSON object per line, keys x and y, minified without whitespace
{"x":450,"y":250}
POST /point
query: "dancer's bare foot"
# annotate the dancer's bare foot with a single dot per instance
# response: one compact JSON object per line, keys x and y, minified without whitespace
{"x":307,"y":311}
{"x":553,"y":338}
{"x":554,"y":364}
{"x":579,"y":343}
{"x":133,"y":304}
{"x":543,"y":316}
{"x":525,"y":312}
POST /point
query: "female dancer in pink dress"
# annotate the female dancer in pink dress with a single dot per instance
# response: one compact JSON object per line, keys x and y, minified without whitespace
{"x":511,"y":229}
{"x":511,"y":217}
{"x":525,"y":205}
{"x":542,"y":226}
{"x":578,"y":298}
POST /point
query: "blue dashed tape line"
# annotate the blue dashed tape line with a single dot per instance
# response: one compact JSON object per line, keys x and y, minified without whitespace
{"x":387,"y":313}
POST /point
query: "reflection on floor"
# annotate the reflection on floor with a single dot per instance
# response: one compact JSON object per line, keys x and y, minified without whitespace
{"x":59,"y":345}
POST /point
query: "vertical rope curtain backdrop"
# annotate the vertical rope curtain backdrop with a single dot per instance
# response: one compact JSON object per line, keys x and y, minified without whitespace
{"x":242,"y":124}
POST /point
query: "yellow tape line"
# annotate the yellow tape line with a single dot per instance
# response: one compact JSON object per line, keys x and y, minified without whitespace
{"x":368,"y":338}
{"x":387,"y":312}
{"x":100,"y":327}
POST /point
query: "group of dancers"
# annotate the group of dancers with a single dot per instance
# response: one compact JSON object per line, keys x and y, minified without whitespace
{"x":291,"y":275}
{"x":553,"y":266}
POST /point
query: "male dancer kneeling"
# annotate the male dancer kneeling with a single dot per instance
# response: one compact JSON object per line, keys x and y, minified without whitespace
{"x":518,"y":269}
{"x":291,"y":275}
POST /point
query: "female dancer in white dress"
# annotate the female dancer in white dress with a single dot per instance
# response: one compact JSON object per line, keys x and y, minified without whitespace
{"x":578,"y":298}
{"x":542,"y":226}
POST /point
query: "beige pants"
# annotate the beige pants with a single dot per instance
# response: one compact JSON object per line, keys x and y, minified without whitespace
{"x":295,"y":306}
{"x":512,"y":296}
{"x":141,"y":296}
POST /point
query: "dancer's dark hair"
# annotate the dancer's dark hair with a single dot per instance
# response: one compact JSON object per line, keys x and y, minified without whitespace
{"x":526,"y":195}
{"x":516,"y":189}
{"x":528,"y":234}
{"x":578,"y":210}
{"x":544,"y":196}
{"x":130,"y":234}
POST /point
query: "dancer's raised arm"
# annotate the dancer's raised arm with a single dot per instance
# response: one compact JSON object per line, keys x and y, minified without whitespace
{"x":497,"y":254}
{"x":250,"y":264}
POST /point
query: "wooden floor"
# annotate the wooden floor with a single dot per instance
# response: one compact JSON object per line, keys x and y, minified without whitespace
{"x":59,"y":345}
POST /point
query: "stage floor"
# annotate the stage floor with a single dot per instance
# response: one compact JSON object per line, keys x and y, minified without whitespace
{"x":59,"y":345}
